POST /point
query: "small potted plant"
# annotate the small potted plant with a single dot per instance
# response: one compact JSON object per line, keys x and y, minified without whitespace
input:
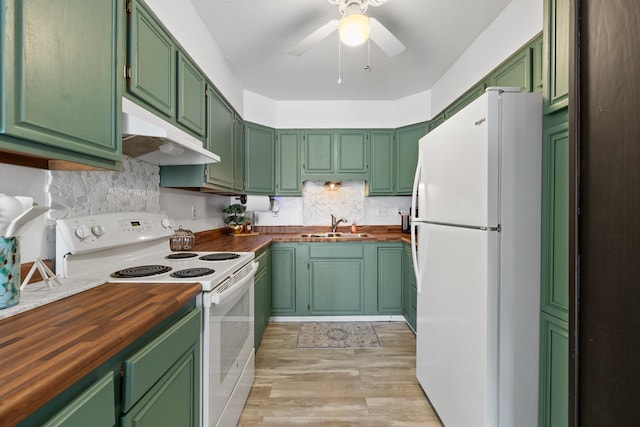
{"x":235,"y":218}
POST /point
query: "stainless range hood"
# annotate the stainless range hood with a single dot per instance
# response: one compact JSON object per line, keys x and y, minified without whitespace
{"x":147,"y":137}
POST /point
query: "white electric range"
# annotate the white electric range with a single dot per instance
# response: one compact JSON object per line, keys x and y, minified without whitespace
{"x":133,"y":247}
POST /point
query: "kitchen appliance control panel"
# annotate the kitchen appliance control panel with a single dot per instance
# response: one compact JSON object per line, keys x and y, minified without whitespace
{"x":103,"y":231}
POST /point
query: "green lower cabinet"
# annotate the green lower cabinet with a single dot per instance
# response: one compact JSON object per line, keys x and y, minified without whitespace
{"x":390,"y":279}
{"x":262,"y":294}
{"x":554,"y":372}
{"x":161,"y":382}
{"x":94,"y":407}
{"x":337,"y":286}
{"x":409,"y":291}
{"x":283,"y":279}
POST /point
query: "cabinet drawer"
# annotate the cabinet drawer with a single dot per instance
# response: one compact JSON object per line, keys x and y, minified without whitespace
{"x":145,"y":368}
{"x":324,"y":250}
{"x":95,"y":407}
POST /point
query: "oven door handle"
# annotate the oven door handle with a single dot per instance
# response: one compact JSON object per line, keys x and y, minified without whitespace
{"x":230,"y":287}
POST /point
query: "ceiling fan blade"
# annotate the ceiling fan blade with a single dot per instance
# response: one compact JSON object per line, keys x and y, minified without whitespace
{"x":383,"y":38}
{"x":316,"y":37}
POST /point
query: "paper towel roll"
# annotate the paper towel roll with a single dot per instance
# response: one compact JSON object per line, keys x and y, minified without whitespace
{"x":257,"y":203}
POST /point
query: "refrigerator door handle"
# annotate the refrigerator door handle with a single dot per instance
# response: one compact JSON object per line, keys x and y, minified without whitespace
{"x":414,"y":224}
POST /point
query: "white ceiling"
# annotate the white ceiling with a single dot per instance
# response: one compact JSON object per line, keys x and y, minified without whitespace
{"x":255,"y":35}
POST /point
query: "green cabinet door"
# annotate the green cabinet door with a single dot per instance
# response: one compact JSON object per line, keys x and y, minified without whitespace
{"x":382,"y":159}
{"x":390,"y":280}
{"x":238,"y":154}
{"x":336,"y":279}
{"x":174,"y":400}
{"x":288,"y":156}
{"x":537,"y":74}
{"x":407,"y":156}
{"x":337,"y":286}
{"x":283,"y":279}
{"x":94,"y":407}
{"x":515,"y":72}
{"x":260,"y":159}
{"x":191,"y":96}
{"x":61,"y":80}
{"x":220,"y":141}
{"x":262,"y":294}
{"x":409,"y":292}
{"x":352,"y":152}
{"x":555,"y":216}
{"x":152,"y":58}
{"x":554,"y":372}
{"x":555,"y":54}
{"x":161,"y":382}
{"x":318,"y":152}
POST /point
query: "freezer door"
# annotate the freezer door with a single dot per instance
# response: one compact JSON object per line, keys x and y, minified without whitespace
{"x":460,"y":166}
{"x":457,"y":324}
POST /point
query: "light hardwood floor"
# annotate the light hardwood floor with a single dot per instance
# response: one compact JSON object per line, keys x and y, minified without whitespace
{"x":326,"y":387}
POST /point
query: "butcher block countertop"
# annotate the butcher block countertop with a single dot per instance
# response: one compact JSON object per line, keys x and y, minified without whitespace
{"x":219,"y":240}
{"x":46,"y":350}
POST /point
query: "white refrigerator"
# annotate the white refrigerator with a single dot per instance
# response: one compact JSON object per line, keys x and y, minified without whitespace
{"x":476,"y":216}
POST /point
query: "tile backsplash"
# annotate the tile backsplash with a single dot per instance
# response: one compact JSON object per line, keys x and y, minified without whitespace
{"x":346,"y":202}
{"x":135,"y":188}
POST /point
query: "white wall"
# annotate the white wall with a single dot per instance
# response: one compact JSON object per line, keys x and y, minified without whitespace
{"x":513,"y":28}
{"x":23,"y":181}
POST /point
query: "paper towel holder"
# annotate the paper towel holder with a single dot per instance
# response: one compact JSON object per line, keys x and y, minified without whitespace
{"x":242,"y":198}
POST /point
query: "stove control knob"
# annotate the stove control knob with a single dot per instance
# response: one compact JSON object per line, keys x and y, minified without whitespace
{"x":167,"y":223}
{"x":82,"y":232}
{"x":97,"y":230}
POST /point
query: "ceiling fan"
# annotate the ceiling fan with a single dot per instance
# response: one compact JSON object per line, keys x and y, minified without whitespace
{"x":354,"y":28}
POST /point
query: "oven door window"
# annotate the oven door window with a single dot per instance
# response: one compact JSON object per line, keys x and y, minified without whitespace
{"x":230,"y":345}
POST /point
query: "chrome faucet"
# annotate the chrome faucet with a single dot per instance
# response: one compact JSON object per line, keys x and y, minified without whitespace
{"x":335,"y":222}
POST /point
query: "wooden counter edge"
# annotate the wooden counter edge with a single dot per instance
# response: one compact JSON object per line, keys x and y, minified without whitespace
{"x":22,"y":393}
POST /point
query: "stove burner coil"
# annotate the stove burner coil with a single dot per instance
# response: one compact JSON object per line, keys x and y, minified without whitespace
{"x":222,"y":256}
{"x":181,"y":255}
{"x":192,"y":272}
{"x":141,"y":271}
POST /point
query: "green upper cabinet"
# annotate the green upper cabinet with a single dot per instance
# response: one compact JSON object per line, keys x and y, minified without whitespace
{"x":382,"y":160}
{"x":537,"y":77}
{"x":288,"y":155}
{"x":152,"y":58}
{"x":555,"y":216}
{"x":238,"y":154}
{"x":407,"y":155}
{"x":192,"y":100}
{"x":335,"y":154}
{"x":318,"y":152}
{"x":260,"y":159}
{"x":463,"y":101}
{"x":515,"y":72}
{"x":60,"y":86}
{"x":352,"y":152}
{"x":220,"y":140}
{"x":555,"y":51}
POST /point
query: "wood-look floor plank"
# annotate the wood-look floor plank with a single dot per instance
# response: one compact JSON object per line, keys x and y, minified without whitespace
{"x":337,"y":387}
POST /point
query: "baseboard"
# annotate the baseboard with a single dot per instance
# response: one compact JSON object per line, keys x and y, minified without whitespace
{"x":375,"y":318}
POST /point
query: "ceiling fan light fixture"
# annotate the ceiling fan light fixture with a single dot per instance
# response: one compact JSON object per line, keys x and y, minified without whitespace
{"x":354,"y":29}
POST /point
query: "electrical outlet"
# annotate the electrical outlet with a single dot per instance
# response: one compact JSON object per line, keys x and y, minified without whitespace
{"x":382,"y":211}
{"x":398,"y":211}
{"x":193,"y":212}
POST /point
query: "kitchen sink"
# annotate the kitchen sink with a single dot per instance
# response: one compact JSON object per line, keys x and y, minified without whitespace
{"x":337,"y":235}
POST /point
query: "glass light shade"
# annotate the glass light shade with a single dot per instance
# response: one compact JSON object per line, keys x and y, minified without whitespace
{"x":354,"y":29}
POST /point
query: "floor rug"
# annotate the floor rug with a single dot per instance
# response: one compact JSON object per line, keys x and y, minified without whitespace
{"x":337,"y":335}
